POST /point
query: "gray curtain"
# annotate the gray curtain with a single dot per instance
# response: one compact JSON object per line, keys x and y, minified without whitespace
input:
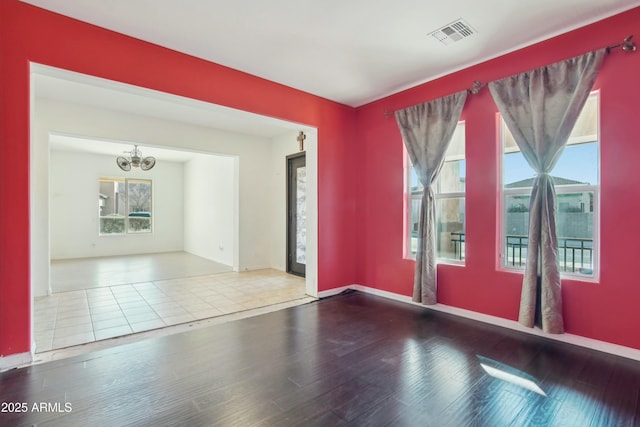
{"x":427,"y":130}
{"x":540,"y":107}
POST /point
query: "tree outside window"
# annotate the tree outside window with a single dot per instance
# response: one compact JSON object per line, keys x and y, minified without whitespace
{"x":124,"y":206}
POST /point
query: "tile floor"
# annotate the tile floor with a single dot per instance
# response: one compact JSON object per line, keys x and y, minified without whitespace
{"x":87,"y":273}
{"x":76,"y":317}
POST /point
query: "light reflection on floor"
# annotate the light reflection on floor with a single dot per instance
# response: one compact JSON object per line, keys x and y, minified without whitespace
{"x":509,"y":374}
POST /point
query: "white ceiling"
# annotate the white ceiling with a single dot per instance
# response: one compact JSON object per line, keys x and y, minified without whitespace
{"x":113,"y":148}
{"x":350,"y":51}
{"x":66,"y":86}
{"x":61,"y":85}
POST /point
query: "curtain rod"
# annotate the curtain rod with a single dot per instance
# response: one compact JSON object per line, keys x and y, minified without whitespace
{"x":474,"y":89}
{"x":627,"y":45}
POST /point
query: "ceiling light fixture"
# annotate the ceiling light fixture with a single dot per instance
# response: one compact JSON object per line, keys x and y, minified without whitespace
{"x":136,"y":160}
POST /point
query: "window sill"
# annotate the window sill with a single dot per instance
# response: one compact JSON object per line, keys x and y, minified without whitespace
{"x":457,"y":263}
{"x":126,"y":234}
{"x":563,"y":276}
{"x":442,"y":261}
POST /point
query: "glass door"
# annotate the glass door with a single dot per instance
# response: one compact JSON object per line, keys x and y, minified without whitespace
{"x":296,"y":214}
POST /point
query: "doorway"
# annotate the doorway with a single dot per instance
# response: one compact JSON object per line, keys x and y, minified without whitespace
{"x":83,"y":116}
{"x":297,"y":214}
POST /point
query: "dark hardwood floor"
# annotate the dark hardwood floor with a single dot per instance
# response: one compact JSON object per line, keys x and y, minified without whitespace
{"x":353,"y":359}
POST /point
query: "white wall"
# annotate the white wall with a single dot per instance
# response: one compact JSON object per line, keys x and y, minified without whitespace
{"x":281,"y":147}
{"x":258,"y":240}
{"x":210,"y":208}
{"x":254,"y":181}
{"x":73,"y":207}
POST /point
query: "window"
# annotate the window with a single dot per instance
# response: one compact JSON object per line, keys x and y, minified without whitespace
{"x":450,"y":202}
{"x":576,"y":179}
{"x":124,"y":206}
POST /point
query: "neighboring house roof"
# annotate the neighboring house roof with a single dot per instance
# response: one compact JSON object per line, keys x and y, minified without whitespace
{"x":556,"y":180}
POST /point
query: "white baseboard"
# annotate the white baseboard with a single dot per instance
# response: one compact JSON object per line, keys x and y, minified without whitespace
{"x":253,"y":267}
{"x":14,"y":360}
{"x":335,"y":291}
{"x":618,"y":350}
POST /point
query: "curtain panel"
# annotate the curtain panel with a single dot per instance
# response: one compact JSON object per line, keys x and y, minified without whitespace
{"x":540,"y":108}
{"x":427,"y":130}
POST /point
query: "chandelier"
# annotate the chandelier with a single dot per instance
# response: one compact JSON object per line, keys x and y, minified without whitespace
{"x":136,"y":160}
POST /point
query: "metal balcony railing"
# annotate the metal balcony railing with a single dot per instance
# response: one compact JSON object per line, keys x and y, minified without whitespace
{"x":457,"y":240}
{"x":575,"y":254}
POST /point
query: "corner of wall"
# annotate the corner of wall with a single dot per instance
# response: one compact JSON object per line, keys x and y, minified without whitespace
{"x":14,"y":361}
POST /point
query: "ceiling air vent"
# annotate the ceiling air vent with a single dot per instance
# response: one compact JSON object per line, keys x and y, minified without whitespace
{"x":453,"y":32}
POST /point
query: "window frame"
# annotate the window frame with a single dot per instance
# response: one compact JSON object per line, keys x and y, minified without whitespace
{"x":438,"y":196}
{"x":127,"y":231}
{"x":559,"y":189}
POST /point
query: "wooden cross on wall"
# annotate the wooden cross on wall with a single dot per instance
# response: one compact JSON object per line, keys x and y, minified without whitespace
{"x":301,"y":138}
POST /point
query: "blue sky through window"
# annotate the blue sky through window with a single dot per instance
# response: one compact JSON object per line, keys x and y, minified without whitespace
{"x":578,"y":162}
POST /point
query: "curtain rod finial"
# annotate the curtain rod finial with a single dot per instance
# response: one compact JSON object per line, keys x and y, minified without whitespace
{"x":627,"y":45}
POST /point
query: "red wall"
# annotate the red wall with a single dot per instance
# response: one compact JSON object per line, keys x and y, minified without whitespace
{"x":607,"y":310}
{"x":28,"y":34}
{"x":360,"y":178}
